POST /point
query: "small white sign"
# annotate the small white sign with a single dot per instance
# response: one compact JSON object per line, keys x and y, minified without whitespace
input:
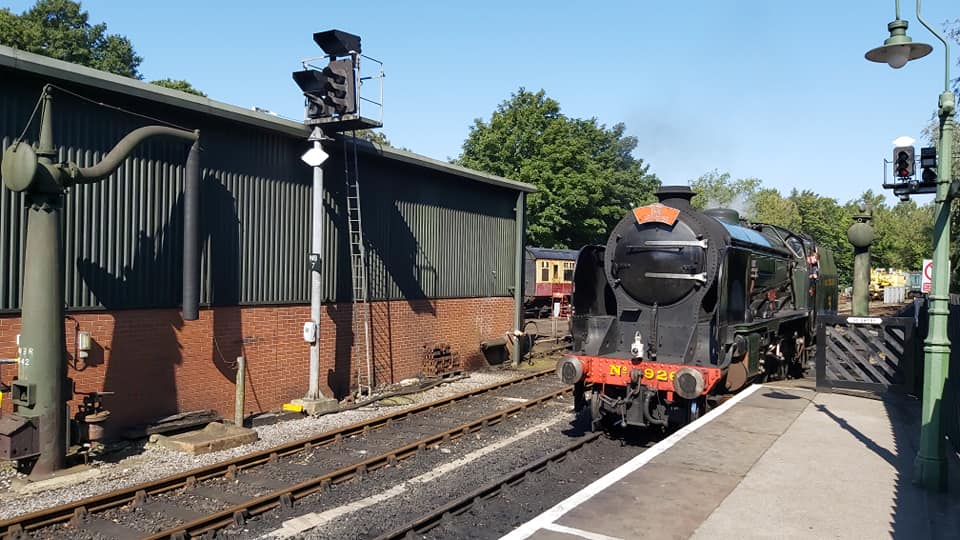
{"x":926,"y":276}
{"x":556,"y":309}
{"x":864,"y":320}
{"x":314,"y":157}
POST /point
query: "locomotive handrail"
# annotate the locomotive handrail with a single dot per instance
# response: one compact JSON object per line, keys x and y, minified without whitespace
{"x":677,"y":243}
{"x":702,"y":276}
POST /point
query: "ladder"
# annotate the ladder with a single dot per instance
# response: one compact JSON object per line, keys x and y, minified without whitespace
{"x":358,"y":268}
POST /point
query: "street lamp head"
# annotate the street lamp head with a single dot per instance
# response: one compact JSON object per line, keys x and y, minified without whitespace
{"x":898,"y":49}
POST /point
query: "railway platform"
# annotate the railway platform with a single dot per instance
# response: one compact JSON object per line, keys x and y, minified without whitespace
{"x":772,"y":462}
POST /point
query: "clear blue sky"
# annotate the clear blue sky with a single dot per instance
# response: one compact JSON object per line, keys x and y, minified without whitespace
{"x":767,"y":88}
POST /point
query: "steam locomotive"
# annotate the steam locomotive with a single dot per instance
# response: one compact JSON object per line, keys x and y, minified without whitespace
{"x":683,"y":306}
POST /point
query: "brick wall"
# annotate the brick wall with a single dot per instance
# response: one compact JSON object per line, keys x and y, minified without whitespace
{"x":158,"y":364}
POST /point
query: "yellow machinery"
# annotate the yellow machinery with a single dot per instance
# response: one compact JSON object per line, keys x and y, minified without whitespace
{"x":885,"y":277}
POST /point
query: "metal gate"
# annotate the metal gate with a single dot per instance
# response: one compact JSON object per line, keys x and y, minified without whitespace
{"x":866,"y":353}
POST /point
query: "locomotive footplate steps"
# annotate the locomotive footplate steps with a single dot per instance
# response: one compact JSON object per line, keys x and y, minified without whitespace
{"x":772,"y":462}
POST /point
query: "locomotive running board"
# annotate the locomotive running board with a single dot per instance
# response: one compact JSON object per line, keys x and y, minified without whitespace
{"x":701,"y":277}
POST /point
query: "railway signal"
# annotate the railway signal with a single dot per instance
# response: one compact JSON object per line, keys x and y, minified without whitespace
{"x":928,"y":164}
{"x":903,"y":158}
{"x":332,"y":91}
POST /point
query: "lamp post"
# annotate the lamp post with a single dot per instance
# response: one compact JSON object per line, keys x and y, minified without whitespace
{"x":930,"y":467}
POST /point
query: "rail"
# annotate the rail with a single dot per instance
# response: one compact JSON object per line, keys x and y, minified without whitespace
{"x":15,"y":526}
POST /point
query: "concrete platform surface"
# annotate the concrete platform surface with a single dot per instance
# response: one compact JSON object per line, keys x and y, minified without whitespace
{"x":773,"y":462}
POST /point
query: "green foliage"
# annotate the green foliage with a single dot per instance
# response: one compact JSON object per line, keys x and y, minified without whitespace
{"x":585,"y":173}
{"x":376,"y":137}
{"x":715,"y":190}
{"x":179,"y":84}
{"x":61,"y":29}
{"x":767,"y":205}
{"x":904,"y":235}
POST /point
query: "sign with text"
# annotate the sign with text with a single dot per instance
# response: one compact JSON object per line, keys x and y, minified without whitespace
{"x":926,"y":276}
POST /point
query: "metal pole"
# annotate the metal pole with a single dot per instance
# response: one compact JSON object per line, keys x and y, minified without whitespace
{"x":518,"y":278}
{"x":316,"y":286}
{"x":861,"y":282}
{"x":930,"y":467}
{"x":240,"y":391}
{"x":43,"y":347}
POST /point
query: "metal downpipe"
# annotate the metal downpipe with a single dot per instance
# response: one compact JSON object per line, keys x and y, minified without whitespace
{"x":191,"y":236}
{"x":520,"y":228}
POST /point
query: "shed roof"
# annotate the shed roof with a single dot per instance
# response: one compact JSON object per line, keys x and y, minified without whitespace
{"x":74,"y":73}
{"x":557,"y":254}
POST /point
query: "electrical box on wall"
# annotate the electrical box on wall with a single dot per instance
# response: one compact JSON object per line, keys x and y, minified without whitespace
{"x":310,"y":332}
{"x":83,"y":341}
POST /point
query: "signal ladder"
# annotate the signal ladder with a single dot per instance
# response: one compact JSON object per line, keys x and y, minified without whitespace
{"x":358,"y":268}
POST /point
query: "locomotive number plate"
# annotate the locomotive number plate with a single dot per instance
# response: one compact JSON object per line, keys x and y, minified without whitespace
{"x":647,"y":373}
{"x":658,"y":374}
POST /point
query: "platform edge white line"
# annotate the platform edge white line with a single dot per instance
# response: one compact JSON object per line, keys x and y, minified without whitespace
{"x":527,"y":529}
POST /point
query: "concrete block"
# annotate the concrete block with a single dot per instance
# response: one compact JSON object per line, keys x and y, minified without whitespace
{"x":318,"y":407}
{"x":213,"y":438}
{"x":60,"y":479}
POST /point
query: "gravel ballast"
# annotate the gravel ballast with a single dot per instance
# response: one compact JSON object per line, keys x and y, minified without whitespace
{"x":154,"y":462}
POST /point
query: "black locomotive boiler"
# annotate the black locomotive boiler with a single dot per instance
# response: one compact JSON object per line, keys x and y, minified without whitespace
{"x":683,"y":305}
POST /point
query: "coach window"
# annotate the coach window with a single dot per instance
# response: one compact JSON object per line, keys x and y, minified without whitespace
{"x":556,"y":272}
{"x":544,"y":271}
{"x":568,"y":271}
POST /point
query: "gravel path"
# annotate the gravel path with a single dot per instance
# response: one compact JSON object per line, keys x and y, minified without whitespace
{"x":153,"y":462}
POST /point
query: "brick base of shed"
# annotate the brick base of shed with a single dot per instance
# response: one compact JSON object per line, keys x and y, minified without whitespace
{"x":157,"y":364}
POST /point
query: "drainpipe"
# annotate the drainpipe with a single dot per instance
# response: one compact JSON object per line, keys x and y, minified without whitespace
{"x":518,"y":278}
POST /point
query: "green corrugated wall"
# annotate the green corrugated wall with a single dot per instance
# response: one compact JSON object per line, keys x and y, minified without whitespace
{"x":430,"y":234}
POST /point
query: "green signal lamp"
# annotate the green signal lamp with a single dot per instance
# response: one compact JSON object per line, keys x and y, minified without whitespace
{"x":898,"y":49}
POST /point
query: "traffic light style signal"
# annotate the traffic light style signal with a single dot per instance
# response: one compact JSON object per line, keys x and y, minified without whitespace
{"x":329,"y":92}
{"x":903,"y":158}
{"x":341,"y":91}
{"x":928,"y":164}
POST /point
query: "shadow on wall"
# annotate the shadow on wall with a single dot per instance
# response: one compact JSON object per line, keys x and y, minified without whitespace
{"x":401,"y":255}
{"x":146,"y":349}
{"x":386,"y":235}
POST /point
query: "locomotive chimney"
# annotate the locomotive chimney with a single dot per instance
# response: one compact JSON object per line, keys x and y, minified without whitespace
{"x":676,"y":196}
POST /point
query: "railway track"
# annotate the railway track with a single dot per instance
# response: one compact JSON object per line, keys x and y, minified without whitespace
{"x":159,"y":498}
{"x":481,"y":496}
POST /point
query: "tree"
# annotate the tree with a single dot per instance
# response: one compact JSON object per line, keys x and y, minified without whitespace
{"x":179,"y":84}
{"x":769,"y":206}
{"x":61,"y":29}
{"x":586,"y":175}
{"x":715,"y":190}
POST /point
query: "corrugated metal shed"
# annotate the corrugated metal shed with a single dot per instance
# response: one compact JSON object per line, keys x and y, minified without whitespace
{"x":433,"y":229}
